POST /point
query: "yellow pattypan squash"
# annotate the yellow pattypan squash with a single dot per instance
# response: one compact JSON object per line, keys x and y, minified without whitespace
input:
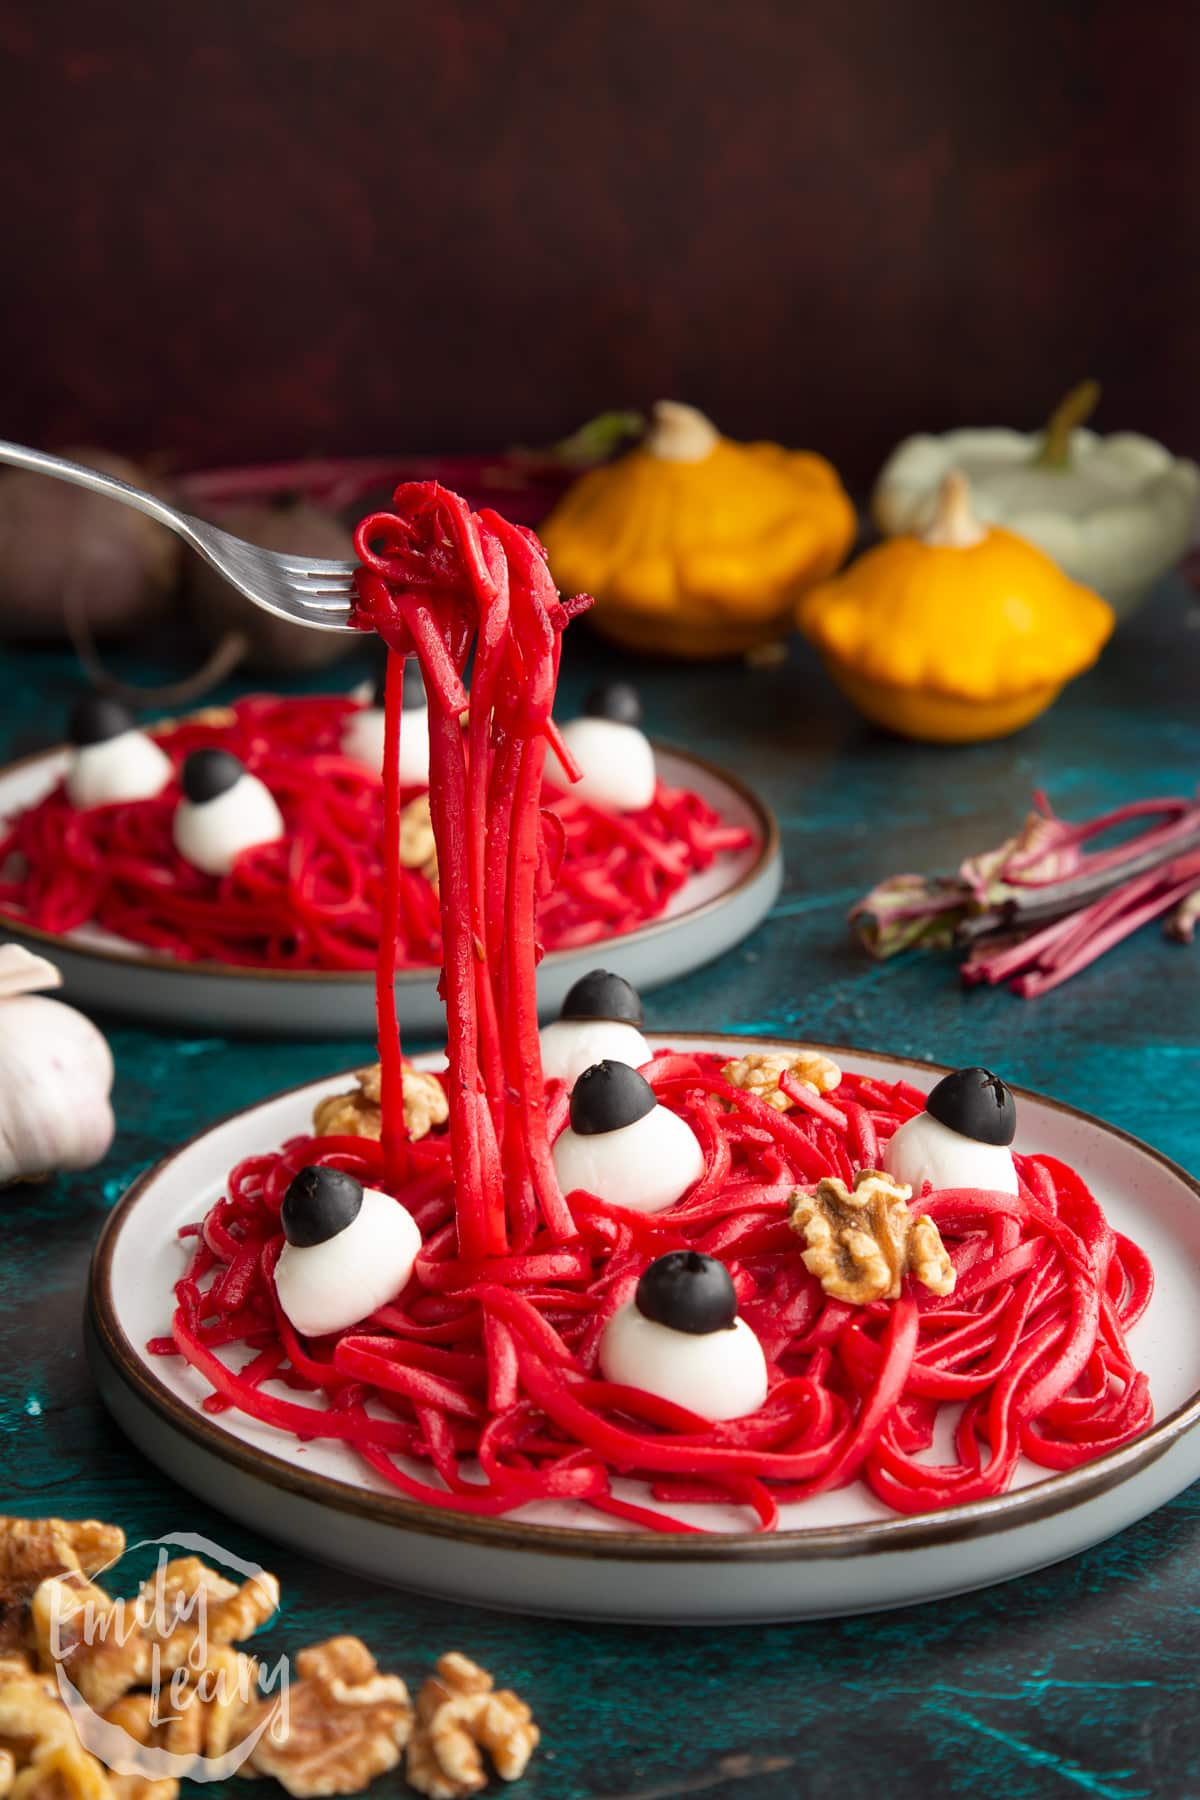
{"x":695,"y":545}
{"x":958,"y":633}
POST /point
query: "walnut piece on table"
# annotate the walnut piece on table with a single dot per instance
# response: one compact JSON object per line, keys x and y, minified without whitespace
{"x":357,"y":1113}
{"x":759,"y":1072}
{"x":31,"y":1549}
{"x":861,"y":1244}
{"x":347,"y":1723}
{"x":460,"y":1714}
{"x":218,"y":1706}
{"x":42,"y":1756}
{"x":342,"y":1724}
{"x":76,"y":1624}
{"x":418,"y":847}
{"x":188,"y":1600}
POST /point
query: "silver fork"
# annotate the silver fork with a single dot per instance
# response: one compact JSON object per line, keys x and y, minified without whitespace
{"x":306,"y":590}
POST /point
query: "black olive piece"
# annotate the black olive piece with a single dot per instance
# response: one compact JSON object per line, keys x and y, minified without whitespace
{"x":601,"y":995}
{"x":96,"y":718}
{"x":609,"y":1096}
{"x":976,"y":1104}
{"x":206,"y":774}
{"x":318,"y":1205}
{"x":616,"y":700}
{"x":688,"y":1292}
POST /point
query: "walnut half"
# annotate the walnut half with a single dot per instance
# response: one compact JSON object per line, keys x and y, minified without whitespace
{"x":461,"y":1713}
{"x":346,"y":1723}
{"x":31,"y":1549}
{"x":860,"y":1245}
{"x":759,"y":1072}
{"x":357,"y":1113}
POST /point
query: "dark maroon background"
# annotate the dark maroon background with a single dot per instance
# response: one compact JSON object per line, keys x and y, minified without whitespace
{"x":246,"y":228}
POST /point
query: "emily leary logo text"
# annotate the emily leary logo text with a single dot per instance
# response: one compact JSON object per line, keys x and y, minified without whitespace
{"x":179,"y":1668}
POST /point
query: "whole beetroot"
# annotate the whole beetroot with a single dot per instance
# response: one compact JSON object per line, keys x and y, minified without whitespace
{"x":61,"y":545}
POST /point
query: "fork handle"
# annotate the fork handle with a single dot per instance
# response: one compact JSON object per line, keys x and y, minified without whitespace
{"x":63,"y":469}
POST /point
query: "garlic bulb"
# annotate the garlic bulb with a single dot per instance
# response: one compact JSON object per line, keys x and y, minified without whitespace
{"x":56,"y":1074}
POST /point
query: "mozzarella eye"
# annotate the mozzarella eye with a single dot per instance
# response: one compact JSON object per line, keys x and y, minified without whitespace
{"x":975,"y":1103}
{"x":601,"y":995}
{"x":609,"y":1096}
{"x":616,"y":700}
{"x":319,"y":1203}
{"x":689,"y":1292}
{"x":207,"y":774}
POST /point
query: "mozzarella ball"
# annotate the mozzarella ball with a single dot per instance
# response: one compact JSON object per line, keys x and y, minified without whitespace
{"x":645,"y":1166}
{"x":333,"y":1283}
{"x":720,"y":1374}
{"x":224,"y":811}
{"x":127,"y":767}
{"x":362,"y":739}
{"x":923,"y":1149}
{"x":616,"y":764}
{"x":569,"y":1046}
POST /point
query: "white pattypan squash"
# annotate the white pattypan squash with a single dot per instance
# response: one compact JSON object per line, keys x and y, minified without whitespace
{"x":1116,"y":513}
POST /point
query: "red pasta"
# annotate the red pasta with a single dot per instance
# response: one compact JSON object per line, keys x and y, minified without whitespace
{"x":317,"y":900}
{"x":486,"y":1368}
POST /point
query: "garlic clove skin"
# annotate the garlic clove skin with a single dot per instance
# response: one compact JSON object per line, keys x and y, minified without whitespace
{"x":616,"y":763}
{"x":569,"y":1046}
{"x":118,"y":770}
{"x":212,"y":834}
{"x":720,"y":1374}
{"x":56,"y":1074}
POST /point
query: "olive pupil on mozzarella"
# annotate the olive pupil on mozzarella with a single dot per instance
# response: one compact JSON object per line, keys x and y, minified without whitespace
{"x":96,"y":718}
{"x":601,"y":995}
{"x":616,"y":700}
{"x":609,"y":1096}
{"x":688,"y":1291}
{"x":319,"y":1203}
{"x":975,"y":1103}
{"x":207,"y":774}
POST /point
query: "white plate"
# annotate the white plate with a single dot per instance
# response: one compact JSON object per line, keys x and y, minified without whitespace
{"x":841,"y":1553}
{"x":711,"y":912}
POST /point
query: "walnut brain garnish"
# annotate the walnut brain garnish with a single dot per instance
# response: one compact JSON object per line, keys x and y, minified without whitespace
{"x":347,"y":1723}
{"x":358,"y":1113}
{"x":216,"y":718}
{"x":461,"y":1714}
{"x":759,"y":1073}
{"x":860,"y":1245}
{"x":418,"y":849}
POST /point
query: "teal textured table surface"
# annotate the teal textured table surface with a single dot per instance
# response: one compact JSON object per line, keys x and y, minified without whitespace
{"x":1080,"y":1679}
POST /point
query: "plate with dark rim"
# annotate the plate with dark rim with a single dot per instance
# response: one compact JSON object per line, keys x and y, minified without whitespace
{"x":713,"y":911}
{"x":840,"y":1553}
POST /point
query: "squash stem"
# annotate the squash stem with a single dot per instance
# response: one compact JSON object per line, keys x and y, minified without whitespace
{"x":1072,"y":411}
{"x":954,"y":524}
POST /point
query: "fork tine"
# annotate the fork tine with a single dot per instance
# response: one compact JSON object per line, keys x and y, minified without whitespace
{"x":331,"y":607}
{"x":317,"y":594}
{"x":314,"y":565}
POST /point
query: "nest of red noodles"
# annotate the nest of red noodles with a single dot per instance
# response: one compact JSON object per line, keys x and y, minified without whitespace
{"x":487,"y":1372}
{"x":314,"y":900}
